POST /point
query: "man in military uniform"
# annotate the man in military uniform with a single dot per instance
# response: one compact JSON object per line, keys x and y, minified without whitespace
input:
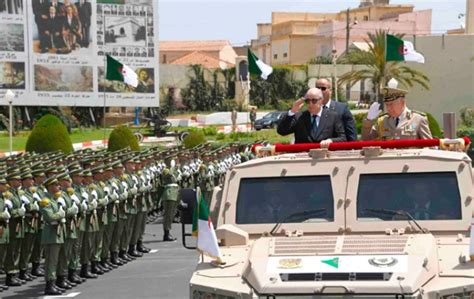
{"x":5,"y":206}
{"x":398,"y":123}
{"x":122,"y":190}
{"x":169,"y":199}
{"x":16,"y":227}
{"x":31,"y":199}
{"x":53,"y":233}
{"x":132,"y":183}
{"x":70,"y":204}
{"x":39,"y":176}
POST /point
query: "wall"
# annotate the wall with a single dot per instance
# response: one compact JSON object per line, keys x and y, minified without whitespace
{"x":451,"y":72}
{"x":227,"y":54}
{"x":302,"y":49}
{"x":279,"y":47}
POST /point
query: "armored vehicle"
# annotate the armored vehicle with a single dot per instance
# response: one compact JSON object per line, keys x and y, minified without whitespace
{"x":368,"y":223}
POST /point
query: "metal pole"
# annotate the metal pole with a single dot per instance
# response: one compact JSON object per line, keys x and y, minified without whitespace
{"x":348,"y":30}
{"x":449,"y":125}
{"x":334,"y":62}
{"x":10,"y":125}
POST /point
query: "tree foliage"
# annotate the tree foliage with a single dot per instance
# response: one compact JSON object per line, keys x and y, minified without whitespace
{"x":122,"y":137}
{"x":279,"y":85}
{"x":200,"y":94}
{"x":49,"y":135}
{"x":378,"y":70}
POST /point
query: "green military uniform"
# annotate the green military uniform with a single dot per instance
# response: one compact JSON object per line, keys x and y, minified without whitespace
{"x":111,"y":190}
{"x":170,"y":201}
{"x":122,"y":191}
{"x":37,"y":247}
{"x":53,"y":235}
{"x":4,"y":228}
{"x":17,"y":232}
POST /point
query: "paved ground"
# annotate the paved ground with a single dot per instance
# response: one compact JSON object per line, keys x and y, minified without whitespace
{"x":162,"y":274}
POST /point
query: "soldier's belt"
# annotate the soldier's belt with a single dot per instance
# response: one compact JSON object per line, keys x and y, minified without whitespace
{"x":172,"y":185}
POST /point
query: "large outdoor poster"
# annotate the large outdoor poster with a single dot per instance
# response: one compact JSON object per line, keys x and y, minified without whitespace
{"x":52,"y":52}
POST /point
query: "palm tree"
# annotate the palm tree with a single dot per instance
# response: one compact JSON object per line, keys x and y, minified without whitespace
{"x":378,"y":70}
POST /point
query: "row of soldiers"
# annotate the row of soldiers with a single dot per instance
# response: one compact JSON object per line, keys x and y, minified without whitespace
{"x":88,"y":210}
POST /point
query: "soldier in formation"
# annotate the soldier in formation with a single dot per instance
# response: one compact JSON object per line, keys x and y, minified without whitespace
{"x":86,"y":212}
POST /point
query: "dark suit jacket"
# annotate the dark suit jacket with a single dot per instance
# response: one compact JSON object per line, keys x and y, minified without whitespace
{"x":85,"y":13}
{"x":330,"y":126}
{"x":345,"y":115}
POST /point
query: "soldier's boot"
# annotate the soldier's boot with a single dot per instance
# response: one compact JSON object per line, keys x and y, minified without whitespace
{"x":51,"y":290}
{"x":114,"y":259}
{"x":58,"y":288}
{"x":109,"y":264}
{"x":61,"y":283}
{"x":85,"y":273}
{"x":168,"y":237}
{"x":133,"y":252}
{"x":24,"y":276}
{"x":124,"y":257}
{"x":71,"y":283}
{"x":103,"y":264}
{"x":142,"y":248}
{"x":72,"y":277}
{"x":36,"y":270}
{"x":99,"y":266}
{"x":4,"y":287}
{"x":95,"y":269}
{"x":12,"y":281}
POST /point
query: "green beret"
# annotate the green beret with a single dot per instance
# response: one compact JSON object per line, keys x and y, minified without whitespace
{"x":63,"y":176}
{"x":97,"y":169}
{"x":14,"y":175}
{"x":116,"y":164}
{"x":87,"y":173}
{"x":76,"y":171}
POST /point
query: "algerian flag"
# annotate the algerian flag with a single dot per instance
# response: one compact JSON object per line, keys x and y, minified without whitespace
{"x":204,"y":230}
{"x":258,"y":67}
{"x":117,"y":71}
{"x":401,"y":50}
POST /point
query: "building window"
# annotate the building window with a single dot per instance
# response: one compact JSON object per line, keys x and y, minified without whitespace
{"x":366,"y":18}
{"x":285,"y":54}
{"x":164,"y":58}
{"x":275,"y":56}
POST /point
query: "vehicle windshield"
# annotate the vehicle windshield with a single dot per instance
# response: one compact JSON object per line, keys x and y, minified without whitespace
{"x":271,"y":200}
{"x":426,"y":196}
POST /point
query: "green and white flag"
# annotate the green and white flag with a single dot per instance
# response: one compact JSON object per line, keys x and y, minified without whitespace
{"x":204,"y":230}
{"x":258,"y":67}
{"x":401,"y":50}
{"x":117,"y":71}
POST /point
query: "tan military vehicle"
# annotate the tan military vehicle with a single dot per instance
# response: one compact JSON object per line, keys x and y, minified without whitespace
{"x":370,"y":223}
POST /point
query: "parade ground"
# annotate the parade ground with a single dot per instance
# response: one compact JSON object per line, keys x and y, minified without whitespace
{"x":163,"y":273}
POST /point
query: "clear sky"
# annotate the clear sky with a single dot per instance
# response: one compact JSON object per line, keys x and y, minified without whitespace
{"x":235,"y":20}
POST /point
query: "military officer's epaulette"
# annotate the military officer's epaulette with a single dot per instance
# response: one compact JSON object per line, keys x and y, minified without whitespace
{"x":44,"y":202}
{"x":419,"y":112}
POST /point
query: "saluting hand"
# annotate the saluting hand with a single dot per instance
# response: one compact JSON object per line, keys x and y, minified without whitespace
{"x":297,"y":105}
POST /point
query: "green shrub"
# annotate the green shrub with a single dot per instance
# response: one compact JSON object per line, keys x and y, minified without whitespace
{"x":195,"y":137}
{"x":228,"y":105}
{"x":434,"y":126}
{"x":122,"y":137}
{"x":220,"y":136}
{"x":359,"y":118}
{"x":49,"y":135}
{"x":209,"y":131}
{"x":467,"y":117}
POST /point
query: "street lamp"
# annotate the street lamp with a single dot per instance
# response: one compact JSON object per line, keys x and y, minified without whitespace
{"x":9,"y":96}
{"x":334,"y":60}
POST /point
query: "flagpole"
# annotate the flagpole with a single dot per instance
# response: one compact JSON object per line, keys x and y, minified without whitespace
{"x":105,"y":70}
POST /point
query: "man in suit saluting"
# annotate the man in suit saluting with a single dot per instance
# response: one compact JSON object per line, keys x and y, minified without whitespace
{"x":313,"y":125}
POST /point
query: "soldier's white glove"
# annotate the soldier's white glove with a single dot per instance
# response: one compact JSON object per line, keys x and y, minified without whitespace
{"x":74,"y":209}
{"x":35,"y":206}
{"x":36,"y":196}
{"x":107,"y":190}
{"x":94,"y":203}
{"x":106,"y":200}
{"x":125,"y":195}
{"x":7,"y":214}
{"x":61,"y":202}
{"x":25,"y":200}
{"x":61,"y":213}
{"x":85,"y":196}
{"x":374,"y":111}
{"x":9,"y":204}
{"x":75,"y":199}
{"x":22,"y":210}
{"x":84,"y":205}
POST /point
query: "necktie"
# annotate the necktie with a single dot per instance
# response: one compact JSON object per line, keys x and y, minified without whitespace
{"x":397,"y":120}
{"x":314,"y":123}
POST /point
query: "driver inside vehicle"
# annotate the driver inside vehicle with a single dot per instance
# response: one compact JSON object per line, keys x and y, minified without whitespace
{"x":428,"y":203}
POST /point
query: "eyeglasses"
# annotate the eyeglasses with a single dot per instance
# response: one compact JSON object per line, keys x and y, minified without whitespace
{"x":323,"y":88}
{"x":313,"y":101}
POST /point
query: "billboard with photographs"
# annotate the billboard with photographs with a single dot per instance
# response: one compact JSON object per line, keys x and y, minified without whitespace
{"x":52,"y":52}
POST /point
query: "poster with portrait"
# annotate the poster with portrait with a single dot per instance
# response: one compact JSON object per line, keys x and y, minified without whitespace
{"x":52,"y":52}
